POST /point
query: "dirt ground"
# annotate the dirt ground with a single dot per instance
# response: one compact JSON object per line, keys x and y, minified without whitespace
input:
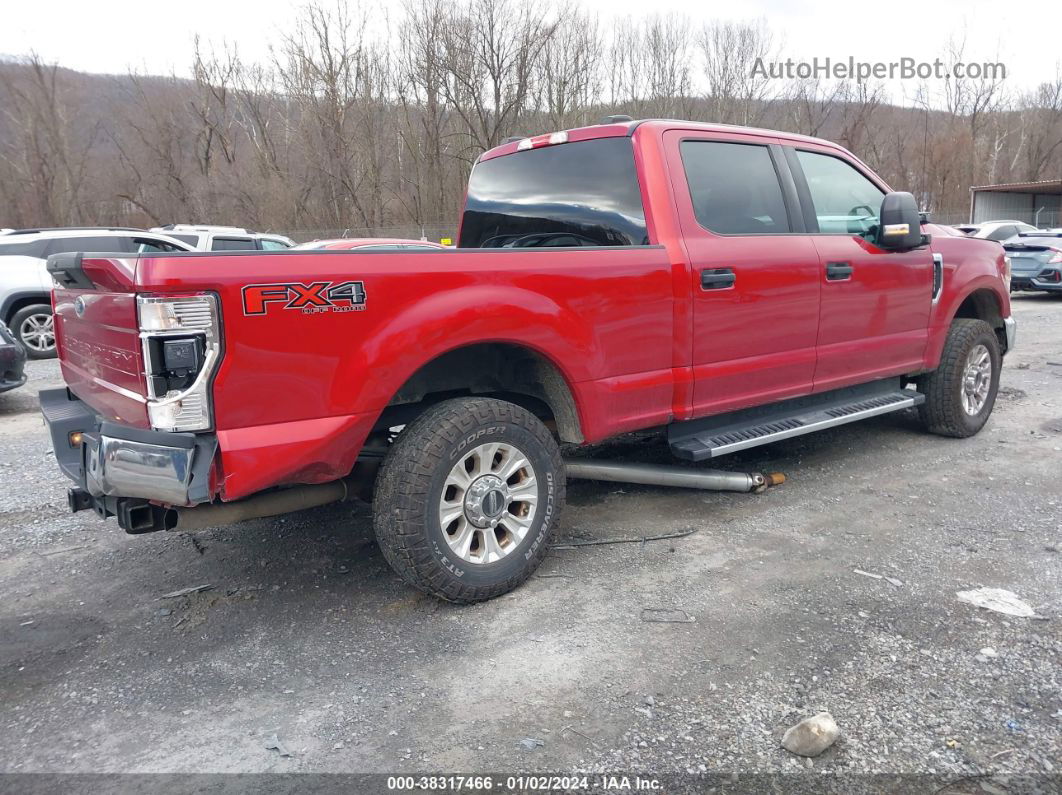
{"x":306,"y":634}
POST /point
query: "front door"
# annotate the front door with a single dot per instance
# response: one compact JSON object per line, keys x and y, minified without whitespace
{"x":754,"y":271}
{"x":875,"y":304}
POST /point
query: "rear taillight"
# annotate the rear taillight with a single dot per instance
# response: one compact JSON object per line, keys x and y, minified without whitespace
{"x":1007,"y":271}
{"x":1056,"y":257}
{"x":181,"y":340}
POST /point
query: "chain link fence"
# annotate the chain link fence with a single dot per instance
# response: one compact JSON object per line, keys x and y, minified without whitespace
{"x":1044,"y":219}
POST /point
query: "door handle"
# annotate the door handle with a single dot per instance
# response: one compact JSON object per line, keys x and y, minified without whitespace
{"x":838,"y":271}
{"x":717,"y":278}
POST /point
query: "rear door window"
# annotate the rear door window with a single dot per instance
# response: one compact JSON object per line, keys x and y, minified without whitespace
{"x":34,"y":248}
{"x":101,"y":244}
{"x":233,"y":244}
{"x":577,"y":194}
{"x":1002,"y":233}
{"x":734,"y":188}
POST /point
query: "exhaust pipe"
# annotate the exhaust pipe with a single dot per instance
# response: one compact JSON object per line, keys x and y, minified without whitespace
{"x":681,"y":477}
{"x":298,"y":498}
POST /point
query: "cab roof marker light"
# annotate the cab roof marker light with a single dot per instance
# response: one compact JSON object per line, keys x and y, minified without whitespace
{"x":549,"y":139}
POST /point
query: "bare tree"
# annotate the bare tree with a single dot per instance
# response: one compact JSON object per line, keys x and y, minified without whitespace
{"x":569,"y":79}
{"x":45,"y":154}
{"x":1040,"y":128}
{"x":338,"y":82}
{"x":734,"y":55}
{"x":491,"y":52}
{"x":650,"y":62}
{"x":813,"y":104}
{"x":347,"y":126}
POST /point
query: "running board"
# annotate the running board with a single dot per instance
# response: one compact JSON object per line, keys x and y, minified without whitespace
{"x":711,"y":437}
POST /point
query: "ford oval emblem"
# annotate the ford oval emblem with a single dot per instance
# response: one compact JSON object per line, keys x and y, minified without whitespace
{"x":79,"y":306}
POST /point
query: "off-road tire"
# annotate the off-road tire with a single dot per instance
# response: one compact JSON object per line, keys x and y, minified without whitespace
{"x":16,"y":325}
{"x":943,"y":412}
{"x":409,"y":489}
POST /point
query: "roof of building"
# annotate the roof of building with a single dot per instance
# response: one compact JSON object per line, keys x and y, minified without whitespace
{"x":1040,"y":186}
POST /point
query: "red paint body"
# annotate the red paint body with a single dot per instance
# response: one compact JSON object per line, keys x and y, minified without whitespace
{"x":636,"y":339}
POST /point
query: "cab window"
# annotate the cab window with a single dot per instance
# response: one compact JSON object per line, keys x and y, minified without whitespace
{"x":734,"y":188}
{"x":147,"y":246}
{"x":845,"y":201}
{"x":232,"y":244}
{"x":575,"y":194}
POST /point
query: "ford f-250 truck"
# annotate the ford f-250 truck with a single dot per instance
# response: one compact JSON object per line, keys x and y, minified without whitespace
{"x":731,"y":286}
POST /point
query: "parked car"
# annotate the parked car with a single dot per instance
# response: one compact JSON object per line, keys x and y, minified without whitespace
{"x":369,"y":244}
{"x":25,"y":287}
{"x":713,"y":305}
{"x":997,"y":230}
{"x":1035,"y":261}
{"x":225,"y":238}
{"x":12,"y":360}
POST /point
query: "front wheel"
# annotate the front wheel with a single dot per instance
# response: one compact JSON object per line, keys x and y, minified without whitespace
{"x":467,"y":499}
{"x":35,"y":329}
{"x":961,"y":392}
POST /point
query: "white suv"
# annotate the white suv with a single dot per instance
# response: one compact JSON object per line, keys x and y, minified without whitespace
{"x":225,"y":238}
{"x":25,"y":287}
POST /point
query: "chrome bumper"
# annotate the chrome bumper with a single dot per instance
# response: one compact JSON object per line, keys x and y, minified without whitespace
{"x":115,"y":464}
{"x":1011,"y":326}
{"x":125,"y":468}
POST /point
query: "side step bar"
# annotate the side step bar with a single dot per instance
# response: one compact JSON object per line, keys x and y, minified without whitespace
{"x":711,"y":437}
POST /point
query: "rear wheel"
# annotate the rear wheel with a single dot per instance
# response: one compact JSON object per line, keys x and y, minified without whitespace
{"x":467,"y":499}
{"x":961,"y":392}
{"x":35,"y":329}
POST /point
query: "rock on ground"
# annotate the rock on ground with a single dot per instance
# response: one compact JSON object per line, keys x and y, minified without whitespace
{"x":812,"y":735}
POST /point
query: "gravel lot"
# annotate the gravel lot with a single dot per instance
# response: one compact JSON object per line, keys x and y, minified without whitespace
{"x":306,"y":634}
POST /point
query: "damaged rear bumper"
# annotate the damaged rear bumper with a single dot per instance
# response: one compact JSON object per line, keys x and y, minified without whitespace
{"x":120,"y":471}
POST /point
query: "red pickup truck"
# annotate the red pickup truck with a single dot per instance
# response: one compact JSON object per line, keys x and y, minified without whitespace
{"x":729,"y":286}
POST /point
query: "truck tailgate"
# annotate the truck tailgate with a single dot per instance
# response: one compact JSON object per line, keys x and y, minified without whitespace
{"x":98,"y":340}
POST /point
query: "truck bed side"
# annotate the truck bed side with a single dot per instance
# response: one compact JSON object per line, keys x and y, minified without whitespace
{"x":298,"y":390}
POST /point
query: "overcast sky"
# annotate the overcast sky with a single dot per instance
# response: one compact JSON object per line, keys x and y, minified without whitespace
{"x":112,"y":37}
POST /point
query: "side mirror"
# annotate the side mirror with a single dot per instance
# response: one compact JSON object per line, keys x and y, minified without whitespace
{"x":899,"y":227}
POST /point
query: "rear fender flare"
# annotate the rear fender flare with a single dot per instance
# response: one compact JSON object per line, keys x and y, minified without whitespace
{"x":455,"y":319}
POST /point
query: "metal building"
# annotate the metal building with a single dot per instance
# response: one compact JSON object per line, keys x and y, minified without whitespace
{"x":1036,"y":203}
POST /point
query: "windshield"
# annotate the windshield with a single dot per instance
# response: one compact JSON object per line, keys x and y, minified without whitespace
{"x":579,"y":194}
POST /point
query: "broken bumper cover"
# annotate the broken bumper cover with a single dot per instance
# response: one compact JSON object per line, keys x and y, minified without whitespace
{"x":120,"y":470}
{"x":1011,"y":327}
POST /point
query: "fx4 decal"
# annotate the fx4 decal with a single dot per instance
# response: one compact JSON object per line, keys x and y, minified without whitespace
{"x":310,"y":299}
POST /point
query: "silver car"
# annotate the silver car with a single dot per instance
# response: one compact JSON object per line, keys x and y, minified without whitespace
{"x":26,"y":289}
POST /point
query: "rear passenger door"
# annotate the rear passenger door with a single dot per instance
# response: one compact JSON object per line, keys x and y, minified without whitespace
{"x":754,"y":270}
{"x":875,"y":303}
